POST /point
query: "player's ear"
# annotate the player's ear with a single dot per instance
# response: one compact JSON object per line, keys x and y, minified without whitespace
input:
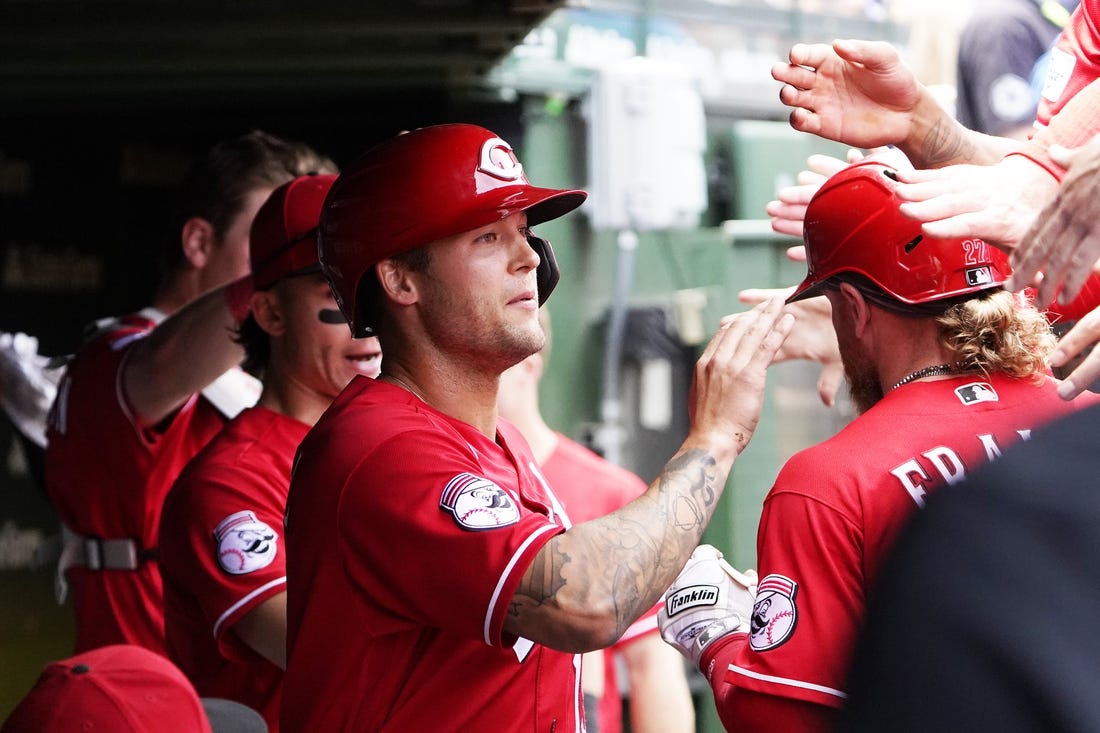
{"x":397,"y":282}
{"x":197,"y":239}
{"x":858,"y":310}
{"x":268,"y":312}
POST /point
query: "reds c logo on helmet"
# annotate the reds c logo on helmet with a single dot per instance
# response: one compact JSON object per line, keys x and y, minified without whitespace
{"x":498,"y":159}
{"x":417,"y":188}
{"x":854,"y":224}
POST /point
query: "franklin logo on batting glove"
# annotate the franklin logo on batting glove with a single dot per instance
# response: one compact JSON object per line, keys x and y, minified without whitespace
{"x":696,"y":595}
{"x":709,"y":600}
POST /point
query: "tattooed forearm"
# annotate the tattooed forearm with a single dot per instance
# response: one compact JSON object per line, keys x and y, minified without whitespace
{"x":544,"y":578}
{"x":687,"y":484}
{"x":611,"y":570}
{"x":946,"y":143}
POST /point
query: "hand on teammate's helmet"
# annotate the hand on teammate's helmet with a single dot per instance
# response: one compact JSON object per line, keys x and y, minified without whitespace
{"x":708,"y":600}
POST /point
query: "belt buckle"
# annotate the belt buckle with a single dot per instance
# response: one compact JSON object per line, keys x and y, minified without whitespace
{"x":120,"y":554}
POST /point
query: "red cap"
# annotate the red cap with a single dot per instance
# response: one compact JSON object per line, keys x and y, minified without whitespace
{"x":122,"y":689}
{"x":283,"y":239}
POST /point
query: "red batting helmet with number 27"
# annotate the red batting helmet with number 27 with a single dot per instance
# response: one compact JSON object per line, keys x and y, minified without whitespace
{"x":853,"y":224}
{"x":422,"y":186}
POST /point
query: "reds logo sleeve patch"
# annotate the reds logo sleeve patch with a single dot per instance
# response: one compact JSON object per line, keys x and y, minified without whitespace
{"x":477,"y":503}
{"x":775,"y":614}
{"x":245,"y":544}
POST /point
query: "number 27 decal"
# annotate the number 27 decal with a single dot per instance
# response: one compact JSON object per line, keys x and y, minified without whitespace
{"x":976,"y":252}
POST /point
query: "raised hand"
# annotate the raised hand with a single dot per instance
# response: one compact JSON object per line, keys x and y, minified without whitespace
{"x":997,"y":203}
{"x":812,"y":337}
{"x":856,"y":92}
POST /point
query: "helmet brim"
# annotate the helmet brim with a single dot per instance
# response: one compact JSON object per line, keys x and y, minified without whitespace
{"x":547,"y":204}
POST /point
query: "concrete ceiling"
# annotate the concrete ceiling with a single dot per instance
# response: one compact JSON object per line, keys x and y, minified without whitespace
{"x":57,"y":49}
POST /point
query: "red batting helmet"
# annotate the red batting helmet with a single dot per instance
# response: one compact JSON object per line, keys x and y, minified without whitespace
{"x":853,"y":224}
{"x":283,"y":238}
{"x":419,"y":187}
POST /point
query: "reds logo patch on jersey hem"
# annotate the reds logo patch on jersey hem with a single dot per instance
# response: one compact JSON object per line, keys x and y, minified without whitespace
{"x":476,"y":503}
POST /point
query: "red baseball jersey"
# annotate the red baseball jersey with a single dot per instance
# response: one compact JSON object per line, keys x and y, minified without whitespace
{"x":1074,"y":61}
{"x":222,"y":555}
{"x":830,"y":520}
{"x":589,"y":487}
{"x":107,"y":475}
{"x":407,"y":535}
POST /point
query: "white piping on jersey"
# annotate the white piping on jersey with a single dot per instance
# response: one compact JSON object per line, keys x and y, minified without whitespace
{"x":788,"y":682}
{"x":157,"y":317}
{"x":556,"y":503}
{"x":641,"y":627}
{"x":577,"y":696}
{"x":246,"y":599}
{"x":507,"y":572}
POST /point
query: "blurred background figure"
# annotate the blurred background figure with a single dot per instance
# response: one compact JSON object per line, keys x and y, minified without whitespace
{"x":225,"y":600}
{"x":28,"y":385}
{"x":147,"y":390}
{"x":999,"y":47}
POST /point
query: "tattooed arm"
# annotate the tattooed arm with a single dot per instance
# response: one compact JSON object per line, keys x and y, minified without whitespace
{"x":861,"y":93}
{"x":588,"y":584}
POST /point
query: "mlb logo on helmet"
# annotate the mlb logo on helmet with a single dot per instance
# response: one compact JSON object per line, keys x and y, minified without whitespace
{"x":978,"y":276}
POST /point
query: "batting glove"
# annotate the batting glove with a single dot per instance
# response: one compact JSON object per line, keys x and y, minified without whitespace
{"x":708,"y":600}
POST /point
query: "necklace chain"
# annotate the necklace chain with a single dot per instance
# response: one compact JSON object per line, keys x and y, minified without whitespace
{"x":406,"y":386}
{"x":929,"y":371}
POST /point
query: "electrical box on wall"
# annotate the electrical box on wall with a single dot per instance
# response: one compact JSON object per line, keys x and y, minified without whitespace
{"x":647,"y":135}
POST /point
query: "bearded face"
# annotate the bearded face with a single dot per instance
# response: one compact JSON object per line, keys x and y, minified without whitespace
{"x":864,"y":387}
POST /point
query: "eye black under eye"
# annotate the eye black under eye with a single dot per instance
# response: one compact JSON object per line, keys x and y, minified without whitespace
{"x":330,"y":316}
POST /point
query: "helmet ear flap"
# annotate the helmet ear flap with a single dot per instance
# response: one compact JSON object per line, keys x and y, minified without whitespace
{"x":547,"y":273}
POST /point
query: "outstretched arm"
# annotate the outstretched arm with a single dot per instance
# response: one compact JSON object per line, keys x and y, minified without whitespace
{"x":585,"y":586}
{"x":185,"y":353}
{"x":996,"y":203}
{"x":861,"y":93}
{"x":1064,"y":240}
{"x":1000,"y":203}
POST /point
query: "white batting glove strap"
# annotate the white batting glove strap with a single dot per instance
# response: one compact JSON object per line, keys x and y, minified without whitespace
{"x":708,"y":600}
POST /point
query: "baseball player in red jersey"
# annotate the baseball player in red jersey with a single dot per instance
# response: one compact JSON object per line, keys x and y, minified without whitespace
{"x":221,"y":548}
{"x":590,"y":487}
{"x":947,"y":369}
{"x":433,"y":581}
{"x":139,"y":400}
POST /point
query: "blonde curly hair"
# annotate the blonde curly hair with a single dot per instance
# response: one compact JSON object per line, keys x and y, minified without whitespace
{"x":998,"y":333}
